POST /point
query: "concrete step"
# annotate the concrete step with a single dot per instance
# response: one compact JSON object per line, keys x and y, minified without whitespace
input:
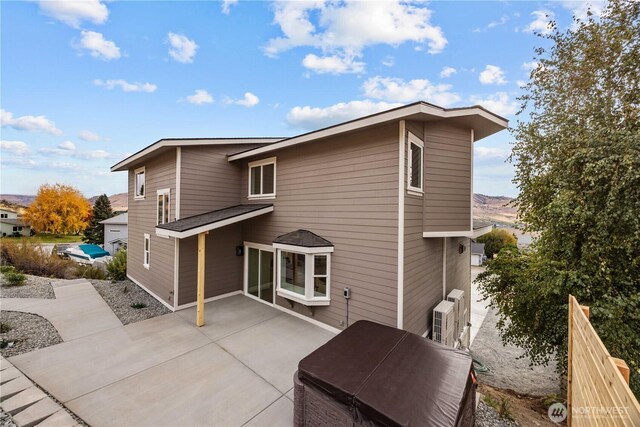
{"x":22,"y":400}
{"x":14,"y":387}
{"x":59,"y":419}
{"x":9,"y":374}
{"x":36,"y":413}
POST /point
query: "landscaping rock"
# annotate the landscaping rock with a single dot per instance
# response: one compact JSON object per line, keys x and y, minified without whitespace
{"x":486,"y":416}
{"x":5,"y":420}
{"x":507,"y":369}
{"x":28,"y":332}
{"x":121,"y":295}
{"x":35,"y":287}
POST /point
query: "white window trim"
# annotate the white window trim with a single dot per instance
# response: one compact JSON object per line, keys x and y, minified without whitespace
{"x":263,"y":162}
{"x":308,"y":298}
{"x":162,"y":192}
{"x":418,"y":191}
{"x":144,"y":251}
{"x":135,"y":183}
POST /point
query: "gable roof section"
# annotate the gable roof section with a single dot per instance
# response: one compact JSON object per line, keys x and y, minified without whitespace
{"x":481,"y":120}
{"x":187,"y":142}
{"x":121,"y":219}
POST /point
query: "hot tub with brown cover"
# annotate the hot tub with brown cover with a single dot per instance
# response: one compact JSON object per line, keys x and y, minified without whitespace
{"x":371,"y":374}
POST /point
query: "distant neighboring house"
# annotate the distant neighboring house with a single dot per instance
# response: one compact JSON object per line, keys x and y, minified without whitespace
{"x":115,"y":233}
{"x":10,"y":224}
{"x":477,"y":254}
{"x":378,"y":209}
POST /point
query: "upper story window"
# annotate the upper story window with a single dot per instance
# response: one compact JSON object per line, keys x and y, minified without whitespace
{"x":415,"y":166}
{"x":262,"y":179}
{"x":138,"y":184}
{"x":163,"y":200}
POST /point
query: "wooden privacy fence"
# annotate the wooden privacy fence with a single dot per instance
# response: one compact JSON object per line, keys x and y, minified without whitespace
{"x":598,"y":392}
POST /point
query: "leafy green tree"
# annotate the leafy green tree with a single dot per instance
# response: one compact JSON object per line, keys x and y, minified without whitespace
{"x":495,"y":240}
{"x":94,"y":233}
{"x":577,"y":163}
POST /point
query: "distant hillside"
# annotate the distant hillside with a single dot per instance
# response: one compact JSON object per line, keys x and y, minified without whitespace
{"x":494,"y":208}
{"x":20,"y":201}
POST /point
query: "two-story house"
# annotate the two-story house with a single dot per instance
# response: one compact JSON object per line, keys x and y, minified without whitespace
{"x":381,"y":205}
{"x":12,"y":225}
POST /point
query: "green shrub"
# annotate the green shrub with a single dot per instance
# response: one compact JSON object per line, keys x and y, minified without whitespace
{"x":6,"y":268}
{"x":138,"y":305}
{"x":14,"y":278}
{"x":4,"y":328}
{"x":30,"y":258}
{"x":89,"y":272}
{"x":117,"y":267}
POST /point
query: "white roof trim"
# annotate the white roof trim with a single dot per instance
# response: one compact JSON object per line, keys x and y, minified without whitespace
{"x":212,"y":226}
{"x":463,"y":233}
{"x":396,"y":114}
{"x":304,"y":249}
{"x":482,"y":231}
{"x":177,"y":142}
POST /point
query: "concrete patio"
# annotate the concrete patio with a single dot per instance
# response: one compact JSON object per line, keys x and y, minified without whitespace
{"x":236,"y":370}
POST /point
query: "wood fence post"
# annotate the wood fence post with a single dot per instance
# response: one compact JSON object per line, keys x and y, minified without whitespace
{"x":569,"y":361}
{"x":622,"y":367}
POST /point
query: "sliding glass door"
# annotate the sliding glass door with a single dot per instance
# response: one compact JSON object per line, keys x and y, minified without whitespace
{"x":259,"y":273}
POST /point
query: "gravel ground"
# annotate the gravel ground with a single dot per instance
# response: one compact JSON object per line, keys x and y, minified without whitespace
{"x":120,"y":300}
{"x":28,"y":332}
{"x":35,"y":287}
{"x":5,"y":420}
{"x":486,"y":416}
{"x":506,"y":370}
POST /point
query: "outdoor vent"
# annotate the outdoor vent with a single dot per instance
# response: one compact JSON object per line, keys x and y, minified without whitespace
{"x":444,"y":323}
{"x":456,"y":296}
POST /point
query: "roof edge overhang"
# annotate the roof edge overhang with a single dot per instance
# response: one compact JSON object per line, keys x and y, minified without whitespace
{"x":303,"y":249}
{"x":212,"y":226}
{"x":472,"y":234}
{"x":483,"y":122}
{"x":187,"y":142}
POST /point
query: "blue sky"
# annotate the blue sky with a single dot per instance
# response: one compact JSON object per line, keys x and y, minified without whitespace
{"x":85,"y":83}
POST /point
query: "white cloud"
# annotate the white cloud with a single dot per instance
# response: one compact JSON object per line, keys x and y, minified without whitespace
{"x":29,"y":123}
{"x":67,"y":145}
{"x":15,"y":147}
{"x":493,"y":24}
{"x":492,"y":75}
{"x":541,"y":21}
{"x":73,"y":13}
{"x":313,"y":117}
{"x":531,"y":65}
{"x":348,"y":27}
{"x":92,"y":155}
{"x":581,"y":9}
{"x":200,"y":97}
{"x":499,"y":103}
{"x":182,"y":48}
{"x":87,"y":135}
{"x":388,"y":61}
{"x":447,"y":72}
{"x":98,"y":46}
{"x":126,"y":86}
{"x":490,"y":153}
{"x":249,"y":100}
{"x":226,"y":6}
{"x":333,"y":64}
{"x":397,"y":90}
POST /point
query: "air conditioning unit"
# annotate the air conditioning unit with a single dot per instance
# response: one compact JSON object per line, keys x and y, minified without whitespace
{"x":444,"y":323}
{"x":456,"y":296}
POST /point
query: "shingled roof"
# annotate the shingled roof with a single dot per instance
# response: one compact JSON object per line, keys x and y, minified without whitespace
{"x":303,"y":238}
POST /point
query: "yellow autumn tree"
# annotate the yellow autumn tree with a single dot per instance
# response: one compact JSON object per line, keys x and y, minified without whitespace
{"x":58,"y":209}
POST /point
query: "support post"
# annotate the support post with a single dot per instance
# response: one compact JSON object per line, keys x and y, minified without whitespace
{"x":622,"y":367}
{"x":200,"y":303}
{"x":585,"y":310}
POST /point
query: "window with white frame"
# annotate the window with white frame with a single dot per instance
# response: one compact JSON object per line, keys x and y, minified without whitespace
{"x":262,"y":178}
{"x":139,"y":183}
{"x":304,"y":275}
{"x":415,"y":166}
{"x":147,"y":251}
{"x":162,"y":202}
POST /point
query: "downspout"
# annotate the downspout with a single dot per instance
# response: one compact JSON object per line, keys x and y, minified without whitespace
{"x":400,"y":305}
{"x":176,"y":248}
{"x":444,"y":268}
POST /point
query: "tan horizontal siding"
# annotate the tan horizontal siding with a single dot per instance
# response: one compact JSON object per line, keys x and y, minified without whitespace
{"x":345,"y":190}
{"x":159,"y":174}
{"x":448,"y":180}
{"x":459,"y":268}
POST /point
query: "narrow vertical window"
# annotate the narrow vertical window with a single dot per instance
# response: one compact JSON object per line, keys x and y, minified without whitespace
{"x":415,"y":166}
{"x":262,"y":178}
{"x":163,"y":198}
{"x":320,"y":275}
{"x":146,"y":260}
{"x":139,"y":183}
